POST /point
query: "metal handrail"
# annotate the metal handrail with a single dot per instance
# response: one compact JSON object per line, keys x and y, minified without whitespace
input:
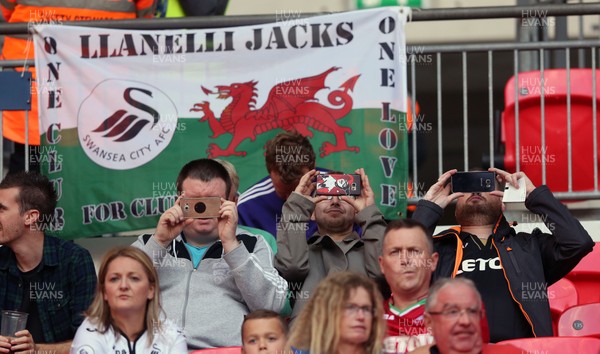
{"x":441,"y":14}
{"x":434,"y":49}
{"x":484,"y":47}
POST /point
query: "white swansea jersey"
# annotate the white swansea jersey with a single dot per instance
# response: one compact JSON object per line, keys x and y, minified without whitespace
{"x":89,"y":340}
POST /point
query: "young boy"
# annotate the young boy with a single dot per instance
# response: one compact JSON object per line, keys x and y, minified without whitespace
{"x":265,"y":332}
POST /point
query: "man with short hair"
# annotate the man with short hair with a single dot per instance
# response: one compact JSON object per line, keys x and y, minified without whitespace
{"x":407,"y":261}
{"x":502,"y":263}
{"x":336,"y":246}
{"x":52,"y":280}
{"x":453,"y":312}
{"x":211,"y":273}
{"x":288,"y":156}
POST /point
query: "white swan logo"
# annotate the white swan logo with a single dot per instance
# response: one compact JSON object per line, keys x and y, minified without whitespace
{"x":125,"y":124}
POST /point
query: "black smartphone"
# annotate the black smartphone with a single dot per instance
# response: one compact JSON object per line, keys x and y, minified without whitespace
{"x":471,"y":182}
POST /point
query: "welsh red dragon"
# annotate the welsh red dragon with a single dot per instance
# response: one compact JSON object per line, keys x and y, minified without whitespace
{"x":291,"y":105}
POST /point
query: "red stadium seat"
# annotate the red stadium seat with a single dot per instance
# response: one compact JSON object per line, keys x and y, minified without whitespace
{"x":547,"y":345}
{"x":555,"y":151}
{"x":580,"y":320}
{"x":224,"y":350}
{"x":586,"y":277}
{"x":561,"y":296}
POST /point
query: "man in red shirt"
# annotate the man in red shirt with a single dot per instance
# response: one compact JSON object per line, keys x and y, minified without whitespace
{"x":407,"y":262}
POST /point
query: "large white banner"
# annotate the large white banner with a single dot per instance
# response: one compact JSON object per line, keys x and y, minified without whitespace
{"x":122,"y":110}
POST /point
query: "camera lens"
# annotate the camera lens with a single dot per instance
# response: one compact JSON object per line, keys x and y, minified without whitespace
{"x":488,"y":183}
{"x":186,"y":207}
{"x":200,"y":207}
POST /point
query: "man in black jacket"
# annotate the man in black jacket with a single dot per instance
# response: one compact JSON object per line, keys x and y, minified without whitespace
{"x":511,"y":270}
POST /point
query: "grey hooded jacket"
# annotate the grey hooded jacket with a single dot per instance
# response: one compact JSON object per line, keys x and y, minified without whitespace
{"x":209,"y":302}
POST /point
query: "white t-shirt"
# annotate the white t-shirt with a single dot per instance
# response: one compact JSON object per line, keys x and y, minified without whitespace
{"x":88,"y":340}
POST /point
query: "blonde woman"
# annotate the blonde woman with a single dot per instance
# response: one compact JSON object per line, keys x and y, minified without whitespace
{"x":343,"y":316}
{"x":125,"y":316}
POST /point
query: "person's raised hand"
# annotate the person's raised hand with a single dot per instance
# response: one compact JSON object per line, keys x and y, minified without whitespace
{"x":307,"y":186}
{"x":171,"y":223}
{"x":512,"y":178}
{"x":228,"y":221}
{"x":366,"y":197}
{"x":440,"y":192}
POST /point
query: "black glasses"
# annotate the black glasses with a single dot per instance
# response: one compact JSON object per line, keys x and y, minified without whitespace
{"x":355,"y":309}
{"x":455,"y":313}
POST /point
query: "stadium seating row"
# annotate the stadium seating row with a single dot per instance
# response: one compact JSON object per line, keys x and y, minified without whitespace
{"x":575,"y":299}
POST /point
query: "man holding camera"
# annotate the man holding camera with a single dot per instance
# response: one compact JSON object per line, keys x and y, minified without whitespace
{"x":211,"y":273}
{"x":511,"y":270}
{"x":335,"y":246}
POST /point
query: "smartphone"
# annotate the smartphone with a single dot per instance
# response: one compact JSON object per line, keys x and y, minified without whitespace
{"x":338,"y":184}
{"x":200,"y":208}
{"x":514,"y":195}
{"x":471,"y":182}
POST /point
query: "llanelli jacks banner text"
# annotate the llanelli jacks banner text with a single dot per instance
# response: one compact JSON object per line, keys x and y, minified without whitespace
{"x":123,"y":110}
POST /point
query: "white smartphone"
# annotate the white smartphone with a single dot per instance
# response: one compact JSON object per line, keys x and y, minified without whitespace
{"x":514,"y":195}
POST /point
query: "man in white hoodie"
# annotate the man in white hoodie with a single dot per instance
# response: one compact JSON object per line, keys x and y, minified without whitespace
{"x":211,"y":273}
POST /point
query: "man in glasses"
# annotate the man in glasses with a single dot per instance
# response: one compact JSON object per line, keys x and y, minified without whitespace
{"x":453,"y":312}
{"x":336,"y":246}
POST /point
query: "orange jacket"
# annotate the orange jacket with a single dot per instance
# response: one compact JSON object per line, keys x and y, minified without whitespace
{"x":54,"y":12}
